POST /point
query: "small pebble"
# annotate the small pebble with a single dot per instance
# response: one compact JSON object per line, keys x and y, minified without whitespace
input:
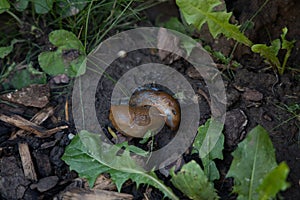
{"x":122,"y":54}
{"x":47,"y":183}
{"x":71,"y":136}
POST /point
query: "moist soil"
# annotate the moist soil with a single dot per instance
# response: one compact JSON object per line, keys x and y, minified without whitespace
{"x":255,"y":95}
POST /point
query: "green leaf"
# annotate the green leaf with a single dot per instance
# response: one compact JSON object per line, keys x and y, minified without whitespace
{"x":269,"y":52}
{"x":174,"y":24}
{"x":4,"y":51}
{"x":21,"y":5}
{"x":210,"y":168}
{"x":70,"y":7}
{"x":4,"y":5}
{"x":199,"y":12}
{"x":274,"y":182}
{"x":42,"y":6}
{"x":252,"y":160}
{"x":26,"y":77}
{"x":65,"y":40}
{"x":192,"y":181}
{"x":51,"y":63}
{"x":288,"y":46}
{"x":90,"y":156}
{"x":133,"y":149}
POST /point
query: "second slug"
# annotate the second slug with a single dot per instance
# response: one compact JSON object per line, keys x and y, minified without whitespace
{"x":148,"y":110}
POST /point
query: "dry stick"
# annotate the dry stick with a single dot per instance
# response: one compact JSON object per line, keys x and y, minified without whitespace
{"x":38,"y":119}
{"x":80,"y":193}
{"x":27,"y":164}
{"x":67,"y":111}
{"x":30,"y":126}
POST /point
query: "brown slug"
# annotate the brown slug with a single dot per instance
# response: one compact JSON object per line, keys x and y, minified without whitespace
{"x":147,"y":110}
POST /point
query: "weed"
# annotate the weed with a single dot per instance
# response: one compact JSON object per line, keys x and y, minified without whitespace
{"x":254,"y":166}
{"x":199,"y":12}
{"x":85,"y":22}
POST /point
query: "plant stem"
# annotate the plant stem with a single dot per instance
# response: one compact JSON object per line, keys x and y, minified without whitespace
{"x":86,"y":25}
{"x":286,"y":57}
{"x":15,"y":17}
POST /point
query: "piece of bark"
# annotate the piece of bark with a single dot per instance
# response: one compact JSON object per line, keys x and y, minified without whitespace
{"x":35,"y":95}
{"x":80,"y":193}
{"x":27,"y":163}
{"x":43,"y":168}
{"x":38,"y":119}
{"x":30,"y":126}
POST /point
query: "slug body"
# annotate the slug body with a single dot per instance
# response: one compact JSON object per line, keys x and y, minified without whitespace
{"x":164,"y":102}
{"x":147,"y":110}
{"x":138,"y":124}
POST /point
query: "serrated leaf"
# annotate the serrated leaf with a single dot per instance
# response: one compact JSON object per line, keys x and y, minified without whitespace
{"x":269,"y":52}
{"x":198,"y":12}
{"x":4,"y":5}
{"x":174,"y":24}
{"x":90,"y":156}
{"x":210,"y":168}
{"x":274,"y":182}
{"x":192,"y":181}
{"x":133,"y":149}
{"x":252,"y":160}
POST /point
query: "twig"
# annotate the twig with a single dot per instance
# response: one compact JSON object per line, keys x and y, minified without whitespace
{"x":27,"y":164}
{"x":30,"y":126}
{"x":38,"y":119}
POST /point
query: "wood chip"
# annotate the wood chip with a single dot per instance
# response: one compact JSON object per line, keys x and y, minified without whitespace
{"x":30,"y":126}
{"x":38,"y":119}
{"x":27,"y":164}
{"x":35,"y":95}
{"x":80,"y":193}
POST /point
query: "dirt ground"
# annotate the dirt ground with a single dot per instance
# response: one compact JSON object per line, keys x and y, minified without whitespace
{"x":254,"y":94}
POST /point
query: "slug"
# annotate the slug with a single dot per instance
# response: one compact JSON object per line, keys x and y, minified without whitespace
{"x":148,"y":110}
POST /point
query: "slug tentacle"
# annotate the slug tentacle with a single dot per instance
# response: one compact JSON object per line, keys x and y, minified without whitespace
{"x":164,"y":102}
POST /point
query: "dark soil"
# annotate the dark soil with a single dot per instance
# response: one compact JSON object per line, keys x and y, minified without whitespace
{"x":255,"y":94}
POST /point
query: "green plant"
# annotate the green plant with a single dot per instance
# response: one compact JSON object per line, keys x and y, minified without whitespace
{"x":90,"y":156}
{"x":59,"y":61}
{"x":271,"y":52}
{"x":199,"y":12}
{"x":254,"y":167}
{"x":5,"y":51}
{"x":85,"y":23}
